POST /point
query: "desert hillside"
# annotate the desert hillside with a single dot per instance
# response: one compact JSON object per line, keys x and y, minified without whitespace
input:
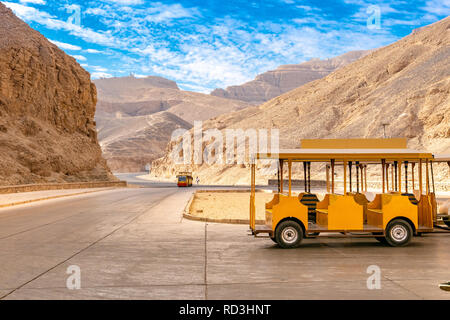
{"x":405,"y":85}
{"x":131,"y":142}
{"x":273,"y":83}
{"x":47,"y":106}
{"x":136,"y":117}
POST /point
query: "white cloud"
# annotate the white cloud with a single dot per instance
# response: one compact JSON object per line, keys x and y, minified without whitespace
{"x":160,"y":12}
{"x":41,"y":2}
{"x":438,"y":7}
{"x":65,"y":46}
{"x":99,"y":69}
{"x":127,"y":2}
{"x":99,"y":75}
{"x":32,"y":14}
{"x":79,"y":57}
{"x":93,"y":51}
{"x":96,"y":11}
{"x":306,"y":8}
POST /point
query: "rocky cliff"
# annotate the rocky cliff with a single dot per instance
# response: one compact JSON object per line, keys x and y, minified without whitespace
{"x":273,"y":83}
{"x":47,"y":106}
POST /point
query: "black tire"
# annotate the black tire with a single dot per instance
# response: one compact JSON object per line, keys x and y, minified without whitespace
{"x":398,"y":233}
{"x":273,"y":239}
{"x":289,"y":234}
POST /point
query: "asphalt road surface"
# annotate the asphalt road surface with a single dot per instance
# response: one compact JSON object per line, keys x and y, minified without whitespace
{"x":132,"y":243}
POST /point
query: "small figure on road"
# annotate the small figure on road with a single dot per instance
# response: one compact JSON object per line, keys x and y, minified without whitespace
{"x":197,"y":180}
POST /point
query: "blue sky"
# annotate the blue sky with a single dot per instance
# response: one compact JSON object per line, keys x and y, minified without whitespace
{"x":207,"y":44}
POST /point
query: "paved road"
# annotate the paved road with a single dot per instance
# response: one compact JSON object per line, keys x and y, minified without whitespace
{"x":134,"y":244}
{"x":132,"y":178}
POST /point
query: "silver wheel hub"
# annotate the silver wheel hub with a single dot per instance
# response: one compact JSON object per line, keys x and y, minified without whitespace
{"x":399,"y":233}
{"x":289,"y":235}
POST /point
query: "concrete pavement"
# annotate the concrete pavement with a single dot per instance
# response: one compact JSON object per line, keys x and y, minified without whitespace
{"x":134,"y":244}
{"x":10,"y":199}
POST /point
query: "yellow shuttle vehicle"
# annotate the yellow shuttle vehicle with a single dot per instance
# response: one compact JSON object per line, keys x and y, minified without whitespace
{"x":406,"y":205}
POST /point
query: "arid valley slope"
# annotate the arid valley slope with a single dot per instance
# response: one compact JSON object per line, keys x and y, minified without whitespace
{"x":136,"y":117}
{"x":47,"y":106}
{"x":405,"y":85}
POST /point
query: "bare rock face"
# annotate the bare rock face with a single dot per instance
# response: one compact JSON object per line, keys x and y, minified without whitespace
{"x":136,"y":117}
{"x":273,"y":83}
{"x":47,"y":106}
{"x":405,"y":85}
{"x":131,"y":142}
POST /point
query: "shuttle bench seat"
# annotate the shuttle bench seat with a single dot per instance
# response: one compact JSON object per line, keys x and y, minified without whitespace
{"x":310,"y":200}
{"x":411,"y":197}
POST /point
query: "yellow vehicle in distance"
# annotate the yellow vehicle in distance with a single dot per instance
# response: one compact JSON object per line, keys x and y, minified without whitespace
{"x":184,"y":179}
{"x":393,"y":217}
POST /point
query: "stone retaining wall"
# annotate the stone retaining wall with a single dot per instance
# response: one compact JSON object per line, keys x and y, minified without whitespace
{"x":58,"y":186}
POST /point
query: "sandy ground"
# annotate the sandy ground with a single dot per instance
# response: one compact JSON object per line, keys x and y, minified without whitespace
{"x":12,"y":198}
{"x":235,"y":205}
{"x":228,"y":205}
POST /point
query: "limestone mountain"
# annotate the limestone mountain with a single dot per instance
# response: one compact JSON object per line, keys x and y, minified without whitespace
{"x":130,"y":142}
{"x":405,"y":85}
{"x":136,"y":117}
{"x":47,"y":106}
{"x":273,"y":83}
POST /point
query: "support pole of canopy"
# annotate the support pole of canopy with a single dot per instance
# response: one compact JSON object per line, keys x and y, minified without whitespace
{"x":309,"y":177}
{"x":278,"y":177}
{"x":420,"y":178}
{"x":432,"y":176}
{"x":357,"y":176}
{"x":387,"y":177}
{"x":392,"y":178}
{"x":345,"y":177}
{"x":281,"y":177}
{"x":290,"y":176}
{"x":305,"y":176}
{"x":350,"y":175}
{"x":328,"y":178}
{"x":332,"y":175}
{"x":406,"y":176}
{"x":395,"y":176}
